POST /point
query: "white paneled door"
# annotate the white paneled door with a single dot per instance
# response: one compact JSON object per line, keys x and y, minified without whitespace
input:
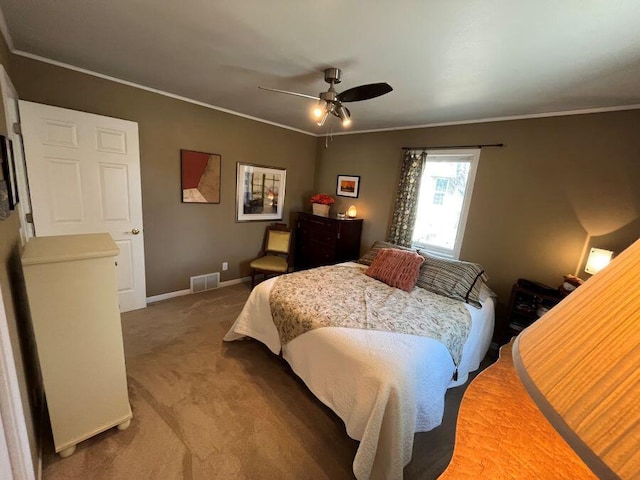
{"x":84,"y":177}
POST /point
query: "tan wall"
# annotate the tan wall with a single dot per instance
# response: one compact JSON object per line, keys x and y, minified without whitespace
{"x":535,"y":201}
{"x":182,"y":240}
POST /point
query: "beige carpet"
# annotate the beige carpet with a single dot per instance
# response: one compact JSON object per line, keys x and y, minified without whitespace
{"x":206,"y":409}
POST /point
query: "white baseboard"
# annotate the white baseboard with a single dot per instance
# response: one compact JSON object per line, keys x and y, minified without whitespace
{"x":180,"y":293}
{"x":235,"y":281}
{"x":166,"y":296}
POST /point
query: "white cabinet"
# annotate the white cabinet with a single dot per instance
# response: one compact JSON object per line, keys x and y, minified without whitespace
{"x":72,"y":291}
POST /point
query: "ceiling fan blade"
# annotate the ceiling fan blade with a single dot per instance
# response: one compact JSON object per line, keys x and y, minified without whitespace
{"x":290,"y":93}
{"x":364,"y":92}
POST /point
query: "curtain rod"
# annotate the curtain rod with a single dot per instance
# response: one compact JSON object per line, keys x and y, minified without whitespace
{"x":447,"y":147}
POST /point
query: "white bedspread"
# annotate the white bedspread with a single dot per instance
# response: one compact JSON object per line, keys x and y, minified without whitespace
{"x":384,"y":386}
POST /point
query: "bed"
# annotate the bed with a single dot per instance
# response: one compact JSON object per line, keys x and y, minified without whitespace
{"x":385,"y":386}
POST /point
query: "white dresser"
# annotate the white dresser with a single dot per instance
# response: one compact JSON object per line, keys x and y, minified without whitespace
{"x":72,"y":291}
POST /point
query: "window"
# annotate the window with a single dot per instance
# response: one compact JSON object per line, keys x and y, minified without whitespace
{"x":445,"y":195}
{"x":438,"y":198}
{"x":442,"y":185}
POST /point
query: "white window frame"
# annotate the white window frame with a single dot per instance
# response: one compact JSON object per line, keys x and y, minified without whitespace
{"x":446,"y":156}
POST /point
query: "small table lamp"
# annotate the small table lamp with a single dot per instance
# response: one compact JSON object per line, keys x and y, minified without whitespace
{"x":352,"y":212}
{"x":580,"y":364}
{"x":598,"y":259}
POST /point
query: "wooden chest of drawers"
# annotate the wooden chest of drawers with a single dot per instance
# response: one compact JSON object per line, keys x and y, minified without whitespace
{"x":326,"y":240}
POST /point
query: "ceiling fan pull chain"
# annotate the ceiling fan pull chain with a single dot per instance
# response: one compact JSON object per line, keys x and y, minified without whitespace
{"x":328,"y":138}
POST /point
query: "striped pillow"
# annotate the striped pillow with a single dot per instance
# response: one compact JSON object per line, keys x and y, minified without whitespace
{"x":452,"y":278}
{"x":368,"y":257}
{"x":396,"y":268}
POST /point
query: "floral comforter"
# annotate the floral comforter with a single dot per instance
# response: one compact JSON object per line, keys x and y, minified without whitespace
{"x":343,"y":296}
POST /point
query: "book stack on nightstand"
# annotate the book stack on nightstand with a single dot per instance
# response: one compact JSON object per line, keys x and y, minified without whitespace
{"x":529,"y":301}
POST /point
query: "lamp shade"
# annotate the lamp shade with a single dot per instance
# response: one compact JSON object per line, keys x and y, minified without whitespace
{"x":580,"y":363}
{"x":352,"y":212}
{"x":320,"y":109}
{"x":345,"y":115}
{"x":598,"y":259}
{"x":322,"y":118}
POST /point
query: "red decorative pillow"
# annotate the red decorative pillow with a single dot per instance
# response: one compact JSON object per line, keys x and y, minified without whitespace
{"x":396,"y":268}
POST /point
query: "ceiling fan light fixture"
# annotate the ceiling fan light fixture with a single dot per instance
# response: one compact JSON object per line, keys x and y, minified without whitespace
{"x":345,"y":115}
{"x":320,"y":109}
{"x":323,"y":118}
{"x":330,"y":102}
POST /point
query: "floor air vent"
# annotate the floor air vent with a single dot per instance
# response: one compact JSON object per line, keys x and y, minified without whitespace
{"x":202,"y":283}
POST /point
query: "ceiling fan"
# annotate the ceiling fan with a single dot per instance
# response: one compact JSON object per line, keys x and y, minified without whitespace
{"x":330,"y":102}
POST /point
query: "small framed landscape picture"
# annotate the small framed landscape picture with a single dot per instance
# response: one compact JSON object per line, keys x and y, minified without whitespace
{"x":348,"y":186}
{"x":259,"y":192}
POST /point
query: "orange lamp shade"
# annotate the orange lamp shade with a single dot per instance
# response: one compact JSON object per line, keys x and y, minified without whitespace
{"x":580,"y":363}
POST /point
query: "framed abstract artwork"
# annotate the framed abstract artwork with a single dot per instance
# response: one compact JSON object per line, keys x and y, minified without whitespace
{"x":200,"y":176}
{"x":259,"y":192}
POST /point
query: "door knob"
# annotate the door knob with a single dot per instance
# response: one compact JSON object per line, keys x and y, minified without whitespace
{"x":135,"y":231}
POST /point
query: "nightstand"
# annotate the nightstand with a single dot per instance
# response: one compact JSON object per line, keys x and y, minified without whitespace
{"x":528,"y":302}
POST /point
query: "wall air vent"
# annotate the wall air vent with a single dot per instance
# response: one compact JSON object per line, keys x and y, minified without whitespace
{"x":205,"y":282}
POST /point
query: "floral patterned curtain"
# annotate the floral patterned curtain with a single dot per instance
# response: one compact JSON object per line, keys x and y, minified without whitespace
{"x":406,"y":205}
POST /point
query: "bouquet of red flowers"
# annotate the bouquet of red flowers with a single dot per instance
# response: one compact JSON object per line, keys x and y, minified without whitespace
{"x":322,"y":198}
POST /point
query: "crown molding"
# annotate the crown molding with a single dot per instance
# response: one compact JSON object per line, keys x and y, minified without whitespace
{"x":154,"y":90}
{"x":317,"y":135}
{"x":494,"y":119}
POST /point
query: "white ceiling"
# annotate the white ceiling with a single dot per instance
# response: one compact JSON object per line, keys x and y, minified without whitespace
{"x":447,"y":61}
